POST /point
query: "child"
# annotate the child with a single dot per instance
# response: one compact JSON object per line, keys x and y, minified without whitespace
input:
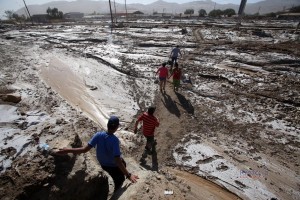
{"x":150,"y":122}
{"x":176,"y":77}
{"x":163,"y":74}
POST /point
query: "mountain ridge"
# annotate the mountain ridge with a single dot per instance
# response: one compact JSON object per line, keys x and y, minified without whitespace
{"x":159,"y":6}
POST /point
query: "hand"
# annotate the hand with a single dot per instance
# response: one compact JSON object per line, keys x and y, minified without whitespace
{"x":62,"y":151}
{"x":133,"y":178}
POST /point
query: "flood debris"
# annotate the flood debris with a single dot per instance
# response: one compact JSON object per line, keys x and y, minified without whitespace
{"x":237,"y":111}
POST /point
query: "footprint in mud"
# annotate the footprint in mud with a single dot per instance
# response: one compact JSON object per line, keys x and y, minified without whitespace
{"x":209,"y":159}
{"x":10,"y":151}
{"x":222,"y":167}
{"x":240,"y":184}
{"x":180,"y":150}
{"x":186,"y":158}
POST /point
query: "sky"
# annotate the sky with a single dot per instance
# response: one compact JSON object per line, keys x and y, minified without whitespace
{"x":17,"y":4}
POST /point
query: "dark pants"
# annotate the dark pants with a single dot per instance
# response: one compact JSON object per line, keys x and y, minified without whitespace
{"x":116,"y":174}
{"x":150,"y":142}
{"x":174,"y":60}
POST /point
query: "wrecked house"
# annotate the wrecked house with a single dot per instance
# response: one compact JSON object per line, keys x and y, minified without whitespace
{"x":73,"y":15}
{"x":40,"y":18}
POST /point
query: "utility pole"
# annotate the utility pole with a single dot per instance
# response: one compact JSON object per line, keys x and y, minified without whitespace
{"x":28,"y":12}
{"x":115,"y":10}
{"x":242,"y":7}
{"x":241,"y":12}
{"x":112,"y":20}
{"x":126,"y":11}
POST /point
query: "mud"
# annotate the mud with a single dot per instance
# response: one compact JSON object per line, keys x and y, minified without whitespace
{"x":236,"y":127}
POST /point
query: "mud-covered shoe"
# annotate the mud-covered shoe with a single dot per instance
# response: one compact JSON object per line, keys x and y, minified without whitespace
{"x":144,"y":155}
{"x":154,"y":143}
{"x":149,"y":152}
{"x":142,"y":161}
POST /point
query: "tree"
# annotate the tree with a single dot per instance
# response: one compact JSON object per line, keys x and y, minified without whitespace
{"x":54,"y":13}
{"x":202,"y":13}
{"x":295,"y":9}
{"x":189,"y":12}
{"x":16,"y":16}
{"x":49,"y":11}
{"x":23,"y":17}
{"x":9,"y":14}
{"x":60,"y":14}
{"x":215,"y":13}
{"x":229,"y":12}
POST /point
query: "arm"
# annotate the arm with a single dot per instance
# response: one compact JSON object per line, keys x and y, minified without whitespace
{"x":171,"y":74}
{"x":135,"y":126}
{"x":79,"y":150}
{"x":157,"y":122}
{"x":140,"y":118}
{"x":131,"y":177}
{"x":190,"y":80}
{"x":157,"y":71}
{"x":171,"y":53}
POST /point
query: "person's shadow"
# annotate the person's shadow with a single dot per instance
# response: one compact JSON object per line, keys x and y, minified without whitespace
{"x":170,"y":104}
{"x":64,"y":165}
{"x":119,"y":192}
{"x":186,"y":104}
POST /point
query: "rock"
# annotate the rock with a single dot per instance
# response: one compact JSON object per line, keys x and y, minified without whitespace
{"x":12,"y":98}
{"x":93,"y":88}
{"x":59,"y":121}
{"x":77,"y":142}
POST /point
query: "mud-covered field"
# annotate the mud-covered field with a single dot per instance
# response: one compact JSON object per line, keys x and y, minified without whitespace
{"x":233,"y":133}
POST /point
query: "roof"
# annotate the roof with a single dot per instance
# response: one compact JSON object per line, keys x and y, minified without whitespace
{"x":290,"y":14}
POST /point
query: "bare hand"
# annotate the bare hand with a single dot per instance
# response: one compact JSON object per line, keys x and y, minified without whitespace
{"x":62,"y":151}
{"x":133,"y":178}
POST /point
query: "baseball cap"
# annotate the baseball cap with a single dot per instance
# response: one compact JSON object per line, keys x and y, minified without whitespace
{"x":113,"y":122}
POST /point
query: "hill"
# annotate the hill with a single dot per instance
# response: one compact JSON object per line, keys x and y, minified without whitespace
{"x":159,"y":6}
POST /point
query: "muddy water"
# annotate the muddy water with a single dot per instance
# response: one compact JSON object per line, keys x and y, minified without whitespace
{"x":72,"y":88}
{"x":203,"y":188}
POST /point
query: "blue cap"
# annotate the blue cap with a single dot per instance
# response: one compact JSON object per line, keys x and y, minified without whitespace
{"x":113,"y":122}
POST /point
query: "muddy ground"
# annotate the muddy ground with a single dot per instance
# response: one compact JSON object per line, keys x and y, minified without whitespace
{"x":244,"y":104}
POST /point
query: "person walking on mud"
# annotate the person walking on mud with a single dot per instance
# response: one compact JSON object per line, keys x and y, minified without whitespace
{"x":108,"y":153}
{"x":150,"y":122}
{"x":176,"y":73}
{"x":163,"y":74}
{"x":174,"y":56}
